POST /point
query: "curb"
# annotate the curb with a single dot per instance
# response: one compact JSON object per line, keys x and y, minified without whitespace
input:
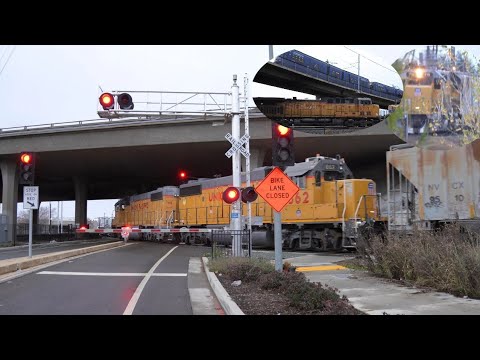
{"x":46,"y":244}
{"x":228,"y":305}
{"x":12,"y":265}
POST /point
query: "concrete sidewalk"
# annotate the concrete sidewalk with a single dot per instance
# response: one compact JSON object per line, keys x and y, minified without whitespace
{"x":202,"y":298}
{"x":376,"y":296}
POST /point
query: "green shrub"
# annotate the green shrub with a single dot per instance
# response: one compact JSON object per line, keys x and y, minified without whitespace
{"x":272,"y":280}
{"x":302,"y":294}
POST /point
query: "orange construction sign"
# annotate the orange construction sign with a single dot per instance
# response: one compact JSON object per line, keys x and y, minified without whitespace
{"x":277,"y":189}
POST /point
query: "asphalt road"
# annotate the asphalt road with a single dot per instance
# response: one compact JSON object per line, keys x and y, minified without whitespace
{"x":107,"y":283}
{"x":16,"y":252}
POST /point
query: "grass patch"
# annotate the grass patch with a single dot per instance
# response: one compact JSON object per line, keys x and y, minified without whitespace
{"x":447,"y":260}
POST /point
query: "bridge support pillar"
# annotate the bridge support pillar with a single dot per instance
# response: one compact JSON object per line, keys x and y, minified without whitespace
{"x":257,"y":158}
{"x":10,"y":196}
{"x":80,"y":184}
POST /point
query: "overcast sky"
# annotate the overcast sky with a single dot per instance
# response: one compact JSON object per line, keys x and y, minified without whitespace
{"x":49,"y":84}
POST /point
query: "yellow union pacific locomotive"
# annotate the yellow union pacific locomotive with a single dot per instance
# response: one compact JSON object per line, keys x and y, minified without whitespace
{"x":328,"y":112}
{"x":325,"y":214}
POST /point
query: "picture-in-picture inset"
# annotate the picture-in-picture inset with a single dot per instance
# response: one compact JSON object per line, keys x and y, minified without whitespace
{"x":440,"y":106}
{"x":336,"y":95}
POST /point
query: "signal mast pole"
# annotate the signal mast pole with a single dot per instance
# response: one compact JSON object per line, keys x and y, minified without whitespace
{"x":247,"y":163}
{"x":235,"y":221}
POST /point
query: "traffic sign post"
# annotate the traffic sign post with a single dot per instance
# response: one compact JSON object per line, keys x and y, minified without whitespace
{"x":277,"y":189}
{"x":31,"y":196}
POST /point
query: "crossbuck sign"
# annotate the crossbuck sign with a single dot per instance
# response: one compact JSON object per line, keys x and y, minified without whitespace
{"x":237,"y":145}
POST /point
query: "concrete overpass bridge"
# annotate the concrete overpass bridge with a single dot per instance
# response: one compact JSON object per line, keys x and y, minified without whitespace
{"x":105,"y":159}
{"x":274,"y":74}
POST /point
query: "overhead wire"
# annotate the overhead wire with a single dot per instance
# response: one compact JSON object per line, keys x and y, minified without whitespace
{"x":370,"y":59}
{"x":9,"y":56}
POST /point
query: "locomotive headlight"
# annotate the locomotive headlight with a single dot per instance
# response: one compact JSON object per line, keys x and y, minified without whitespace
{"x":419,"y":73}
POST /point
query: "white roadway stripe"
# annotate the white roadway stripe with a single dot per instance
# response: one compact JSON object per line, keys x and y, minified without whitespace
{"x":133,"y":301}
{"x":106,"y":274}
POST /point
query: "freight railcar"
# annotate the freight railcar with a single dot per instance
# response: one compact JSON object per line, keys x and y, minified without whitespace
{"x":325,"y":214}
{"x":430,"y":187}
{"x":328,"y":112}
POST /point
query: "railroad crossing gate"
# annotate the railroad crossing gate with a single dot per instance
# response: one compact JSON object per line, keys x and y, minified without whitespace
{"x":277,"y":189}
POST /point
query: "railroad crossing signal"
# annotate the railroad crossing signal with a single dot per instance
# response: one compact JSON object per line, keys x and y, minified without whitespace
{"x":282,"y":146}
{"x":237,"y":145}
{"x":27,"y":168}
{"x":124,"y":101}
{"x":126,"y":230}
{"x":231,"y":194}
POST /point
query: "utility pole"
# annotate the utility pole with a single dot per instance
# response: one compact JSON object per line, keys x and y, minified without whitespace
{"x":61,"y":218}
{"x":58,"y":217}
{"x":359,"y":73}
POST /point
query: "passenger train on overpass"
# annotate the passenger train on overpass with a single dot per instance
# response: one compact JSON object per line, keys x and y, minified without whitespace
{"x":313,"y":67}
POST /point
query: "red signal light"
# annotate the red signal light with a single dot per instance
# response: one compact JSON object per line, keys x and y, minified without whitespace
{"x":107,"y":101}
{"x":283,"y":130}
{"x":231,"y":194}
{"x":26,"y":158}
{"x":26,"y":168}
{"x":183,"y":175}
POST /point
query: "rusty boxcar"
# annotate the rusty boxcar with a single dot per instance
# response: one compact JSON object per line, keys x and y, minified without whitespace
{"x":431,"y":186}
